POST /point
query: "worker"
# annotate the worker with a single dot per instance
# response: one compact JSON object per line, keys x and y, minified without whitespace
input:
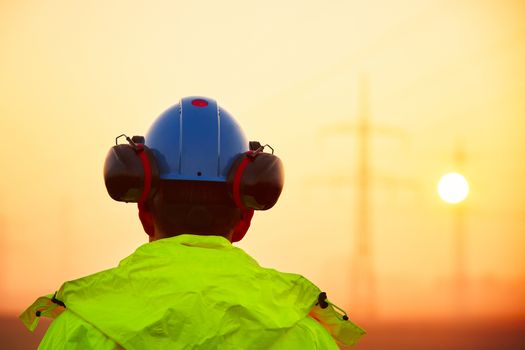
{"x":197,"y":182}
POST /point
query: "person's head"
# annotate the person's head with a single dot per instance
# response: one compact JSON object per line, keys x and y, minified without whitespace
{"x":194,"y":173}
{"x":197,"y":207}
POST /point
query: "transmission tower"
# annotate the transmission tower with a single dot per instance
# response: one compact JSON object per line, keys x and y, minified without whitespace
{"x":460,"y":276}
{"x":362,"y":269}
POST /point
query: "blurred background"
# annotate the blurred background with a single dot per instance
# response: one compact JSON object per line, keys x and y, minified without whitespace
{"x":368,"y":104}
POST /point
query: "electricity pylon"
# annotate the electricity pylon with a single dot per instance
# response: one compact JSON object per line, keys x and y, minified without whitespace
{"x":363,"y":289}
{"x":460,"y":276}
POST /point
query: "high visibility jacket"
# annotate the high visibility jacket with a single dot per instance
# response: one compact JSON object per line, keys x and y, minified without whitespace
{"x":190,"y":292}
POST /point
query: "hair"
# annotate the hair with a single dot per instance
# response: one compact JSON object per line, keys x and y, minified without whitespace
{"x":195,"y":207}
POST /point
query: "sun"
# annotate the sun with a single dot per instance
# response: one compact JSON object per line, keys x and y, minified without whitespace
{"x":453,"y":188}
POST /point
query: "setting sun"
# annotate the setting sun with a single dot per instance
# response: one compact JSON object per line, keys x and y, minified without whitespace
{"x":453,"y":188}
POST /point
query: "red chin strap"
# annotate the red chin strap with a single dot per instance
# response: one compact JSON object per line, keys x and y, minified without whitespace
{"x":242,"y":226}
{"x":145,"y":216}
{"x":247,"y":214}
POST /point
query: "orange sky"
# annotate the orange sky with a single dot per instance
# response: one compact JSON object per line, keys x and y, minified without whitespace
{"x":73,"y":75}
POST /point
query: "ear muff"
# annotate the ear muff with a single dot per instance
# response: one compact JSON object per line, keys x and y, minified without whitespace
{"x":256,"y":180}
{"x":131,"y":173}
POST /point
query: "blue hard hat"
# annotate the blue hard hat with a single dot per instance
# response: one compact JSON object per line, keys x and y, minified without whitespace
{"x":195,"y":140}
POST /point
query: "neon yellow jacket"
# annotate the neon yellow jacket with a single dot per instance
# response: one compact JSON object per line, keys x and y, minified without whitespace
{"x":190,"y":292}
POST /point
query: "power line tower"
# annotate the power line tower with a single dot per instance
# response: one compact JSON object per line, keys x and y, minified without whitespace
{"x":460,"y":276}
{"x":453,"y":189}
{"x":362,"y":269}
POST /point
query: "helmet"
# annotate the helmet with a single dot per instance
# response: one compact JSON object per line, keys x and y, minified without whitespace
{"x":195,"y":140}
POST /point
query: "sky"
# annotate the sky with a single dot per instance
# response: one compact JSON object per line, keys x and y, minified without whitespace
{"x":435,"y":76}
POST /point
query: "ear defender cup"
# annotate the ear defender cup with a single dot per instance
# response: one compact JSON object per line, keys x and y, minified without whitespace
{"x":131,"y":173}
{"x":256,"y":180}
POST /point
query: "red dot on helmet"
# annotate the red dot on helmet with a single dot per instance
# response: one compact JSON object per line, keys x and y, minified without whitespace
{"x":199,"y":102}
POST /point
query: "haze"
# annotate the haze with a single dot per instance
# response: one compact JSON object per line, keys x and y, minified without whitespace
{"x":441,"y":75}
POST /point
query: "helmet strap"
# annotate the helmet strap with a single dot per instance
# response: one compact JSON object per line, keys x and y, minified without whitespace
{"x":242,"y":226}
{"x":145,"y":216}
{"x":247,"y":213}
